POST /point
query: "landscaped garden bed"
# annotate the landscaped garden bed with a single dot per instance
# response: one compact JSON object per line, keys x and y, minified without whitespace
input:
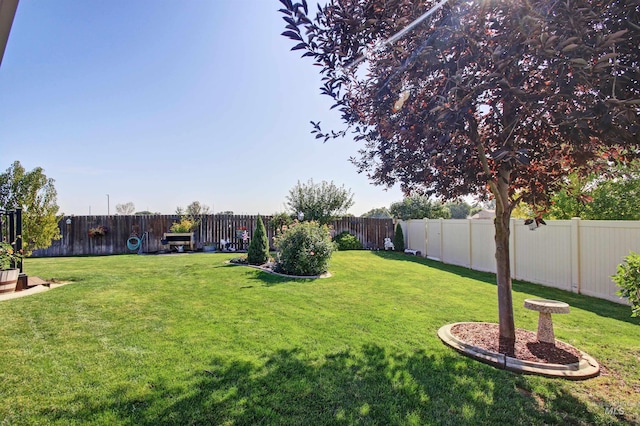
{"x":527,"y":347}
{"x":192,"y":340}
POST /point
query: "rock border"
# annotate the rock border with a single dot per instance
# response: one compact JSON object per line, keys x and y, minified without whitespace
{"x":586,"y":368}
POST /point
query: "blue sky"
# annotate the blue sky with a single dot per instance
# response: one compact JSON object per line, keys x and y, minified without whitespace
{"x":164,"y":102}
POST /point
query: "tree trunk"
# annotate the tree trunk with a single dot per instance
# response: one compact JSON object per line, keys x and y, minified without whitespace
{"x":503,"y":265}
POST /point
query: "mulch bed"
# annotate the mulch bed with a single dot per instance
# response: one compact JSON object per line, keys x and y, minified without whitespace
{"x":527,"y":348}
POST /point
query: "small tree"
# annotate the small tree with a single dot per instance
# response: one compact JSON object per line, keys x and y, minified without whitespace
{"x":398,"y":238}
{"x":500,"y":99}
{"x":319,"y":202}
{"x":459,"y":210}
{"x":126,"y":208}
{"x":378,"y":213}
{"x":197,"y":209}
{"x":189,"y":216}
{"x":35,"y":194}
{"x":258,"y":252}
{"x":194,"y":209}
{"x":278,"y":220}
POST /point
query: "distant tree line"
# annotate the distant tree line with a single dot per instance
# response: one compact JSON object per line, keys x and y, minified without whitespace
{"x":420,"y":207}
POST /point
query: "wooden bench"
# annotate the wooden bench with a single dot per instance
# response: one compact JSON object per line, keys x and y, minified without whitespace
{"x":184,"y":239}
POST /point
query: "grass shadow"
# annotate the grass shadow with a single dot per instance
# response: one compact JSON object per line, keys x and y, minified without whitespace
{"x":270,"y":279}
{"x":369,"y":385}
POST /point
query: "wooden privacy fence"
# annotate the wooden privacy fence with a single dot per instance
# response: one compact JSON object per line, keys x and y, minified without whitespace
{"x":76,"y":240}
{"x":573,"y":255}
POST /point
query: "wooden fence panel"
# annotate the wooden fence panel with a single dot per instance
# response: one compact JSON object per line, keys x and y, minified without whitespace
{"x":212,"y":228}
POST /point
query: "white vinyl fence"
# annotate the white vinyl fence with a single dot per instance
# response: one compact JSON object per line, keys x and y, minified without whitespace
{"x":574,"y":255}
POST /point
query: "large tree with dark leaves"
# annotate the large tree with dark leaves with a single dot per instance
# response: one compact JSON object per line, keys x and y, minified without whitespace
{"x":502,"y":99}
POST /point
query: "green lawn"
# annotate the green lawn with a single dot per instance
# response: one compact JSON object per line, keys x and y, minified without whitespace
{"x":187,"y":339}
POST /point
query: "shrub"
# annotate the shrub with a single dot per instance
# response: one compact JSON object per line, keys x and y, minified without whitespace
{"x":628,"y":279}
{"x":398,"y":238}
{"x":185,"y":225}
{"x":258,"y":252}
{"x":278,"y":220}
{"x":347,"y":241}
{"x":8,"y":256}
{"x":304,"y":249}
{"x":242,"y":260}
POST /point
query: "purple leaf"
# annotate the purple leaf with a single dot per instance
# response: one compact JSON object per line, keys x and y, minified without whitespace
{"x":287,"y":4}
{"x":290,"y":21}
{"x":292,"y":35}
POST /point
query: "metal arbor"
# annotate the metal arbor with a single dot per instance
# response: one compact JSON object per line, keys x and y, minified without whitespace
{"x":11,"y":231}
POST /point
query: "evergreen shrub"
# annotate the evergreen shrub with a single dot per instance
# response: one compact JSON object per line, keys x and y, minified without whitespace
{"x":258,"y":252}
{"x":398,"y":238}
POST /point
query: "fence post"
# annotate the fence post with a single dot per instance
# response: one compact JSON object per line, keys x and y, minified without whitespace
{"x":441,"y":240}
{"x":425,"y":228}
{"x":575,"y":254}
{"x":407,"y":237}
{"x":426,"y":237}
{"x":470,"y":236}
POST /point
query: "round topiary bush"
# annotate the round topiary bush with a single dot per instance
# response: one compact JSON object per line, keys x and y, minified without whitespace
{"x":304,"y":249}
{"x":347,"y":241}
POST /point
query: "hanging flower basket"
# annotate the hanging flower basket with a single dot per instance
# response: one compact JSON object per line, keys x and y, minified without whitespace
{"x":98,"y":231}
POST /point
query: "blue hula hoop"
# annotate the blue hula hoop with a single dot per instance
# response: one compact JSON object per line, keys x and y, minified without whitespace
{"x":133,"y":243}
